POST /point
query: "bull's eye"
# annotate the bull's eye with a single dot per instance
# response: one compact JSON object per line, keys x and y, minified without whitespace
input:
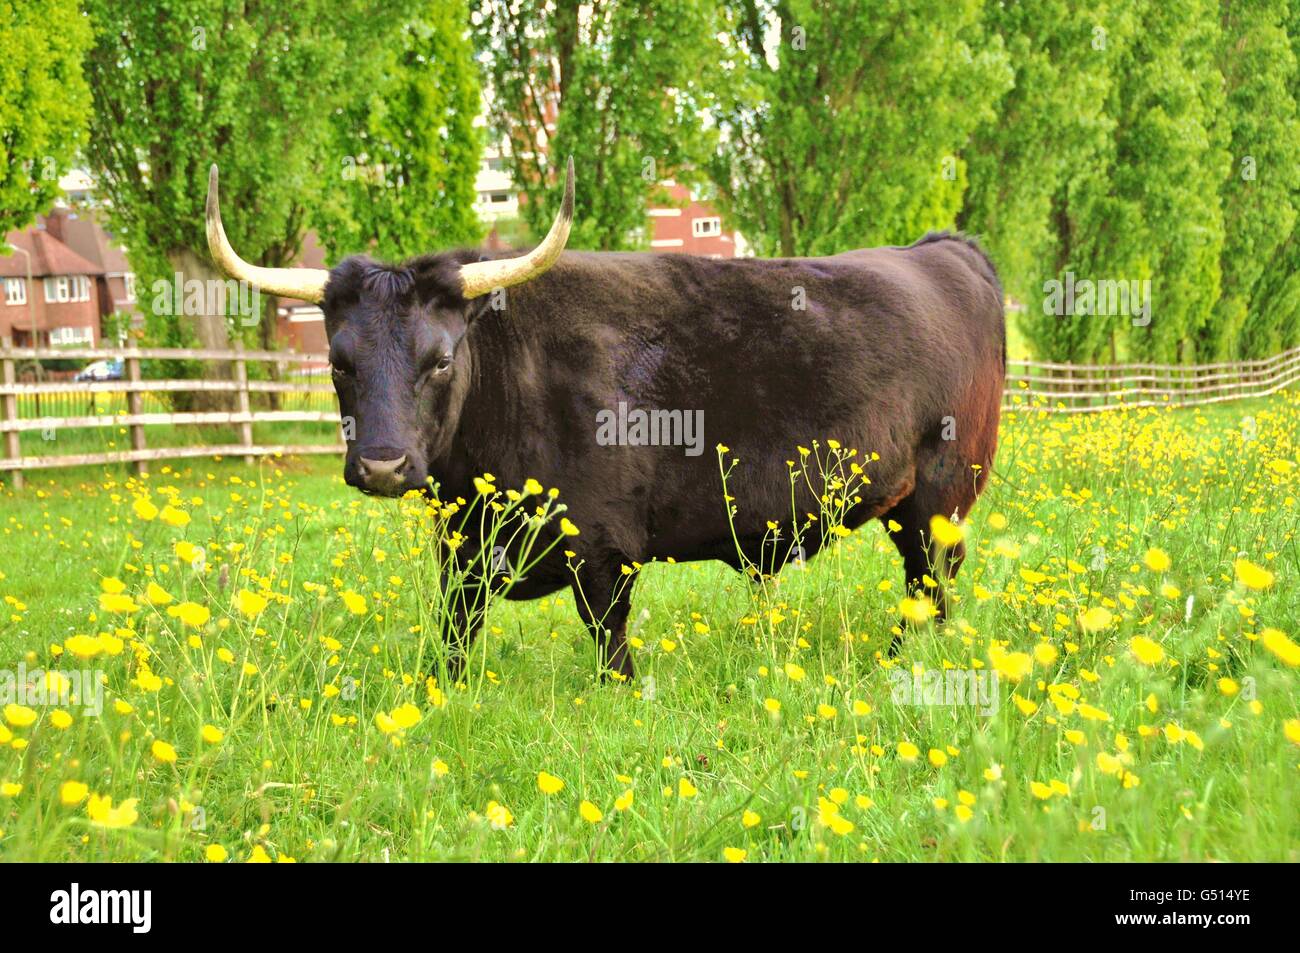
{"x":444,"y":362}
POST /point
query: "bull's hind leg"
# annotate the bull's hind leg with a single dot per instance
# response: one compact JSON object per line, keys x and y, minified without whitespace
{"x":945,"y":486}
{"x":602,"y":592}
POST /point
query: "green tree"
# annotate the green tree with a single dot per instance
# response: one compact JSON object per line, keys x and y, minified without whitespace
{"x":617,"y":84}
{"x":180,"y":84}
{"x":409,"y":146}
{"x":841,"y":125}
{"x":1137,"y":198}
{"x":1048,"y":128}
{"x":44,"y":103}
{"x":1257,"y":312}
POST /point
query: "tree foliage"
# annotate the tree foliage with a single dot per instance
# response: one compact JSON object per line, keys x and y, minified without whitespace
{"x":841,"y":124}
{"x":44,"y":102}
{"x":1259,"y":310}
{"x":180,"y":84}
{"x":1149,"y":143}
{"x":620,"y":85}
{"x":407,"y":147}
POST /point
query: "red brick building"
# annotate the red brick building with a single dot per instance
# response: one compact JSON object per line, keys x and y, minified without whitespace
{"x":78,"y":278}
{"x":85,"y":236}
{"x":688,"y":227}
{"x":60,"y":304}
{"x":300,"y":325}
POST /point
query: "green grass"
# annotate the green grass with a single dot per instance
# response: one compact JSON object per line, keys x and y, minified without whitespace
{"x":288,"y":779}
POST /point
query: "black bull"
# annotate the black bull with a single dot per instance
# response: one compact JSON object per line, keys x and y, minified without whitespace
{"x":894,"y":351}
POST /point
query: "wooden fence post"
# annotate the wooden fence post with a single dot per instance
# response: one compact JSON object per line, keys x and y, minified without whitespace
{"x":245,"y":406}
{"x":135,"y":407}
{"x":13,"y":445}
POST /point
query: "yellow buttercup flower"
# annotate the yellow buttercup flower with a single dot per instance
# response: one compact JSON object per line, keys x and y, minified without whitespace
{"x":118,"y":603}
{"x":20,"y":716}
{"x":354,"y":601}
{"x":173,"y":516}
{"x":1095,"y":619}
{"x":190,"y":613}
{"x":157,"y":595}
{"x":250,"y":603}
{"x":164,"y":752}
{"x":1145,"y":650}
{"x":945,"y":532}
{"x":1281,"y":646}
{"x":102,"y":813}
{"x":1157,"y":560}
{"x":1252,"y":576}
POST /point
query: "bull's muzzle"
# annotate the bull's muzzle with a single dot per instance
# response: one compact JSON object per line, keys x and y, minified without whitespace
{"x":387,"y":476}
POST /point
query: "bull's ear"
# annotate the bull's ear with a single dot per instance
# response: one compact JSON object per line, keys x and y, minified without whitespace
{"x":486,"y":306}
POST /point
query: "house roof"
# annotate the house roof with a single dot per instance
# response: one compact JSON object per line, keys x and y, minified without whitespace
{"x":49,"y":257}
{"x":84,"y":235}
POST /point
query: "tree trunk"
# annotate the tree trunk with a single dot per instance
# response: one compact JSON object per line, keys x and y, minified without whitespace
{"x":266,"y":339}
{"x":210,"y":330}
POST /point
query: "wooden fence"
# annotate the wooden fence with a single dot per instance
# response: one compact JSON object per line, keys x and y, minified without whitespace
{"x":293,"y":387}
{"x":1088,"y":388}
{"x":297,"y":388}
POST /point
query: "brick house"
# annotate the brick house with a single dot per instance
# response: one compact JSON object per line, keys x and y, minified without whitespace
{"x":688,"y":227}
{"x":61,"y":303}
{"x":85,"y":236}
{"x":300,"y":325}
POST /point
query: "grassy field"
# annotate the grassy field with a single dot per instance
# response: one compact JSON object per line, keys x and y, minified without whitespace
{"x":1117,"y":681}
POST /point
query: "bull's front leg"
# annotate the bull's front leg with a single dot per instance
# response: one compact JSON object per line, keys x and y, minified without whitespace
{"x":464,"y":607}
{"x":602,"y":592}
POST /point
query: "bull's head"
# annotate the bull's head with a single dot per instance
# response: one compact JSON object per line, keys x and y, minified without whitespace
{"x":399,"y":370}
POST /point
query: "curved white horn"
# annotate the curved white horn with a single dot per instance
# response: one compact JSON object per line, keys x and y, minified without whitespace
{"x":306,"y":284}
{"x":480,"y":277}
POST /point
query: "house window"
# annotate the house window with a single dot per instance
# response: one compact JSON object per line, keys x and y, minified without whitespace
{"x":65,"y":288}
{"x":128,"y":280}
{"x":82,"y":335}
{"x":15,"y":291}
{"x":706,"y":227}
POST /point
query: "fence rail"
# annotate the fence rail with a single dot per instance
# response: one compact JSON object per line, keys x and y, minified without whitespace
{"x":296,"y":388}
{"x":287,"y":387}
{"x":1089,"y":388}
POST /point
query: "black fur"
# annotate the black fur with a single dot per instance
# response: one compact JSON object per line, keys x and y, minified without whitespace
{"x":893,"y":343}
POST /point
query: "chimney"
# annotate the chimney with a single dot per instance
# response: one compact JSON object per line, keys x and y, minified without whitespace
{"x":54,"y":222}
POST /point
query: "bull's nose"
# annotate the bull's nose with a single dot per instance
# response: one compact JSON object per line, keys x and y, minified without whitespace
{"x":383,"y":474}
